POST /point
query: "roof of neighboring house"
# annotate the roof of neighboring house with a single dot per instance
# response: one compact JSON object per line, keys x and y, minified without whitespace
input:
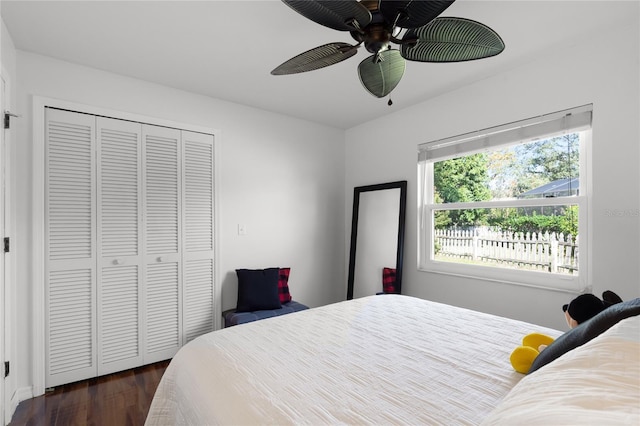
{"x":554,"y":189}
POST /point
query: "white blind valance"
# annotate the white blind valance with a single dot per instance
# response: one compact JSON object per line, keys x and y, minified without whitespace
{"x":541,"y":127}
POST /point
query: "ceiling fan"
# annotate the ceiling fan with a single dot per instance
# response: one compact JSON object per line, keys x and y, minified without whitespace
{"x":414,"y":25}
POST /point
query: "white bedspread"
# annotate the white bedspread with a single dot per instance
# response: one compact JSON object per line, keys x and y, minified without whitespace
{"x":375,"y":360}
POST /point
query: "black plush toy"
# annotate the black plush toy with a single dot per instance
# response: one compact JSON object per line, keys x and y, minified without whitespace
{"x":579,"y":310}
{"x":587,"y":306}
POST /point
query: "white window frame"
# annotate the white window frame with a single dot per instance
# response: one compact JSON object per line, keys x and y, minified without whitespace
{"x":575,"y":120}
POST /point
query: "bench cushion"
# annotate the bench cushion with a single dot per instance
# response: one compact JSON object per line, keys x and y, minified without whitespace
{"x":232,"y":317}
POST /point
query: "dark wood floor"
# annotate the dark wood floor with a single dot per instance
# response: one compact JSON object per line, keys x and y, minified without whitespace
{"x":116,"y":399}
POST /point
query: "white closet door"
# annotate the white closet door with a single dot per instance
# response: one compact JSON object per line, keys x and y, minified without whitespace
{"x":70,"y":247}
{"x":129,"y":243}
{"x":119,"y":245}
{"x":162,"y":194}
{"x":199,"y":309}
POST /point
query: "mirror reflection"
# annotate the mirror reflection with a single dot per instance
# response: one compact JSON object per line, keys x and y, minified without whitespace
{"x":377,"y":236}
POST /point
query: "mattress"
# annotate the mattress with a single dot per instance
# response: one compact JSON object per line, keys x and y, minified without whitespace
{"x":386,"y":359}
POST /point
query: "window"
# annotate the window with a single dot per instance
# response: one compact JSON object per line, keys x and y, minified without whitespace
{"x":509,"y":203}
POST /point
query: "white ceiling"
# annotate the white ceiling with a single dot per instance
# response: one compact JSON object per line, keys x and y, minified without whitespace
{"x":226,"y":49}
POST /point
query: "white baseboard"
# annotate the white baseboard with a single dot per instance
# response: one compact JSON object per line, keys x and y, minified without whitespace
{"x":19,"y":395}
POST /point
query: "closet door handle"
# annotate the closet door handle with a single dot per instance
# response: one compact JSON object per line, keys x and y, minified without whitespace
{"x":118,"y":262}
{"x":161,"y":259}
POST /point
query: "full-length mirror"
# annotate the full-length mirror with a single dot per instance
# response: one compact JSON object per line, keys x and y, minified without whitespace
{"x":377,"y":239}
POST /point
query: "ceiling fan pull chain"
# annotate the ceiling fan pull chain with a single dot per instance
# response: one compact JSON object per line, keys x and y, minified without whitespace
{"x":389,"y":102}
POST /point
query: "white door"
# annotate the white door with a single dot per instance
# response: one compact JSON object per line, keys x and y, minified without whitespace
{"x":163,"y":227}
{"x":129,"y":243}
{"x":3,"y":107}
{"x":119,"y":270}
{"x":198,"y":236}
{"x":7,"y":316}
{"x":70,"y":243}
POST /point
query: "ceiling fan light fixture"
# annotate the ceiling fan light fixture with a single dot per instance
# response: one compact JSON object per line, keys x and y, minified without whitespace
{"x":381,"y":73}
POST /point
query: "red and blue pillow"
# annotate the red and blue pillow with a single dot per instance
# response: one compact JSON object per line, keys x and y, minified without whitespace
{"x":283,"y":285}
{"x":388,"y":280}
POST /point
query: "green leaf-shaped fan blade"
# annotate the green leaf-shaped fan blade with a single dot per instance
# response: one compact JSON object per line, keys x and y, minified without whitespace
{"x":451,"y":40}
{"x":412,"y":13}
{"x":316,"y":58}
{"x":335,"y":14}
{"x":380,"y":77}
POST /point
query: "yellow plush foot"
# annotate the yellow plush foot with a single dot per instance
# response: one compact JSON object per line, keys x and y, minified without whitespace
{"x":535,"y":340}
{"x":522,"y":357}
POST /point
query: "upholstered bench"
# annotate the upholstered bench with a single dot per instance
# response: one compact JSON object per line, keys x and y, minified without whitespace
{"x":231,"y":317}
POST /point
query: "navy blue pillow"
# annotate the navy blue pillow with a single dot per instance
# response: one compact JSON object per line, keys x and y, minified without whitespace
{"x":586,"y":331}
{"x":258,"y":289}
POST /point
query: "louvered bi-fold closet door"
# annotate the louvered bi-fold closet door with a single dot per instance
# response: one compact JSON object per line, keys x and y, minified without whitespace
{"x":70,"y":251}
{"x":198,"y":236}
{"x":120,"y":271}
{"x":163,"y":227}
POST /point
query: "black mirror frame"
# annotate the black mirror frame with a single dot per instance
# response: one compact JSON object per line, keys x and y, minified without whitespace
{"x":354,"y":230}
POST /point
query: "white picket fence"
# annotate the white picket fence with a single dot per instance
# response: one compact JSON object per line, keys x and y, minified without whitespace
{"x":540,"y":251}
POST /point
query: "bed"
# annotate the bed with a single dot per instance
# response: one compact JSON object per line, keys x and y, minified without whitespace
{"x":386,"y":359}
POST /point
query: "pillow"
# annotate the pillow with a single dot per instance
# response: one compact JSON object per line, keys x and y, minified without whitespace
{"x":586,"y":331}
{"x":257,"y":289}
{"x":388,"y":280}
{"x":283,"y":285}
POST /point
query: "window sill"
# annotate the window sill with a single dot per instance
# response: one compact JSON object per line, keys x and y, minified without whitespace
{"x":535,"y":279}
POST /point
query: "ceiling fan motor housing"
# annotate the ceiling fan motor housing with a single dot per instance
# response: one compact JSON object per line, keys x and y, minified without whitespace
{"x":375,"y":38}
{"x":377,"y":34}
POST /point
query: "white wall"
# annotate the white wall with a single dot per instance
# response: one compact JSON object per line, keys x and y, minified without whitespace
{"x":604,"y":71}
{"x":282,"y":178}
